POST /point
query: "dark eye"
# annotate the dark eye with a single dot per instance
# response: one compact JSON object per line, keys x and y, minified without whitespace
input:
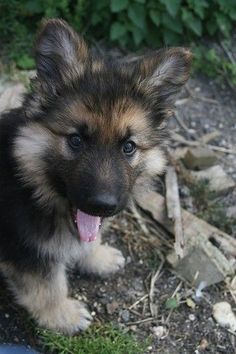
{"x":74,"y":141}
{"x":129,"y":147}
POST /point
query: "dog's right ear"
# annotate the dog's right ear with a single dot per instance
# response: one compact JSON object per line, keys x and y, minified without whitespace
{"x":61,"y":54}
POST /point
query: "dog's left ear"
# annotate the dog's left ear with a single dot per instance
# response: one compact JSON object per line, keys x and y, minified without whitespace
{"x":163,"y":73}
{"x":61,"y":53}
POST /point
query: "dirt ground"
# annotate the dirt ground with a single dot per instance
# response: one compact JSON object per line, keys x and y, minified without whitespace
{"x":185,"y":329}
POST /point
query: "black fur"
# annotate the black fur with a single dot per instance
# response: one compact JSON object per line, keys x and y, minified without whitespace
{"x":106,"y":103}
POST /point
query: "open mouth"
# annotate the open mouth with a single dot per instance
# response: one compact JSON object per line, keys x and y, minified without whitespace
{"x":87,"y":225}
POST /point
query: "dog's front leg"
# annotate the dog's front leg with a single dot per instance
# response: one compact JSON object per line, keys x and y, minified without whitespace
{"x":100,"y":259}
{"x":46,"y":299}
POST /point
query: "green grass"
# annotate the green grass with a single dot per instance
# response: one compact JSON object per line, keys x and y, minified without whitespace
{"x":97,"y":340}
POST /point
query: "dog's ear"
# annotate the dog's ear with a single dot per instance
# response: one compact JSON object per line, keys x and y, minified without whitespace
{"x":164,"y":73}
{"x":61,"y":53}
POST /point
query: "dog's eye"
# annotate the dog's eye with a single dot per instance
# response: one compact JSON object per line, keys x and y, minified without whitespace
{"x":74,"y":141}
{"x":129,"y":147}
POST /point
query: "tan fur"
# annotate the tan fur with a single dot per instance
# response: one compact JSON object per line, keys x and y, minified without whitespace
{"x":75,"y":92}
{"x":110,"y":125}
{"x":30,"y":146}
{"x":47,"y":299}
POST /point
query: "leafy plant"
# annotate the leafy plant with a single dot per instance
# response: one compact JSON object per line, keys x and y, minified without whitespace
{"x":130,"y":24}
{"x":215,"y":65}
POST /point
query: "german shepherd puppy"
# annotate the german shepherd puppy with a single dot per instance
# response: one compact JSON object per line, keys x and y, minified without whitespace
{"x":73,"y":154}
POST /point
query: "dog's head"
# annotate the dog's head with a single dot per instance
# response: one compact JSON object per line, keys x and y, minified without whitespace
{"x":95,"y":125}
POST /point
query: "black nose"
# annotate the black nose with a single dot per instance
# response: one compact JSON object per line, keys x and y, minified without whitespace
{"x":102,"y":204}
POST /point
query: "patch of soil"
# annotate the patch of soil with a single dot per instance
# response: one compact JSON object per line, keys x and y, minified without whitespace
{"x":109,"y":300}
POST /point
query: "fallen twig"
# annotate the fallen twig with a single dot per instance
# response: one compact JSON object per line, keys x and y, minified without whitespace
{"x":201,"y":98}
{"x":181,"y":123}
{"x":138,"y":301}
{"x":180,"y":139}
{"x":152,"y":305}
{"x":206,"y":138}
{"x":174,"y":209}
{"x":149,"y":319}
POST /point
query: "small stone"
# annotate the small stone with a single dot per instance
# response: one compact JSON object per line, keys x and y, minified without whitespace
{"x":7,"y":315}
{"x":133,"y":328}
{"x":190,"y":303}
{"x":223,"y":314}
{"x":93,"y":313}
{"x":128,"y":260}
{"x":159,"y":331}
{"x":125,"y":315}
{"x":111,"y":307}
{"x":231,"y":212}
{"x":192,"y":317}
{"x":203,"y":344}
{"x":199,"y":158}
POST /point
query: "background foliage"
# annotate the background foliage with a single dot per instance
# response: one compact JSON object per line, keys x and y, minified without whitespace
{"x":131,"y":24}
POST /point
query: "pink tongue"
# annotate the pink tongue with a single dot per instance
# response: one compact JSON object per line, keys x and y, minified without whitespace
{"x":88,"y":226}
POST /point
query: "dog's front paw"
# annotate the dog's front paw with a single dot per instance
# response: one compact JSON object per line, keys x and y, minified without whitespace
{"x":104,"y":261}
{"x":69,"y":317}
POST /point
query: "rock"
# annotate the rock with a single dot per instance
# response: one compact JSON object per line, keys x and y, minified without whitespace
{"x":160,"y":331}
{"x":203,"y":344}
{"x":192,"y":317}
{"x":199,"y":158}
{"x":179,"y":153}
{"x":112,"y":307}
{"x":231,"y":212}
{"x":203,"y":261}
{"x":219,"y":181}
{"x":223,"y":314}
{"x":125,"y":315}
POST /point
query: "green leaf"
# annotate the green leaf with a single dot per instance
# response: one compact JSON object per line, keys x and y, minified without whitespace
{"x":175,"y":26}
{"x":34,"y":7}
{"x":232,"y":14}
{"x":223,"y":23}
{"x":211,"y":26}
{"x":172,"y":303}
{"x":170,"y":38}
{"x":155,"y":17}
{"x":138,"y":35}
{"x":117,"y":31}
{"x":95,"y":18}
{"x":172,"y":6}
{"x":141,"y":1}
{"x":25,"y":62}
{"x":137,"y":14}
{"x":118,"y":5}
{"x":192,"y":22}
{"x":198,"y":6}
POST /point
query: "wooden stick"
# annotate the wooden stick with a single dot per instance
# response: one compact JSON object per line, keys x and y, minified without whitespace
{"x":174,"y":209}
{"x":180,"y":139}
{"x":152,"y":305}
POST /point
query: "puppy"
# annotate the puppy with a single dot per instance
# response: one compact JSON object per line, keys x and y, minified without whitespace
{"x":90,"y":129}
